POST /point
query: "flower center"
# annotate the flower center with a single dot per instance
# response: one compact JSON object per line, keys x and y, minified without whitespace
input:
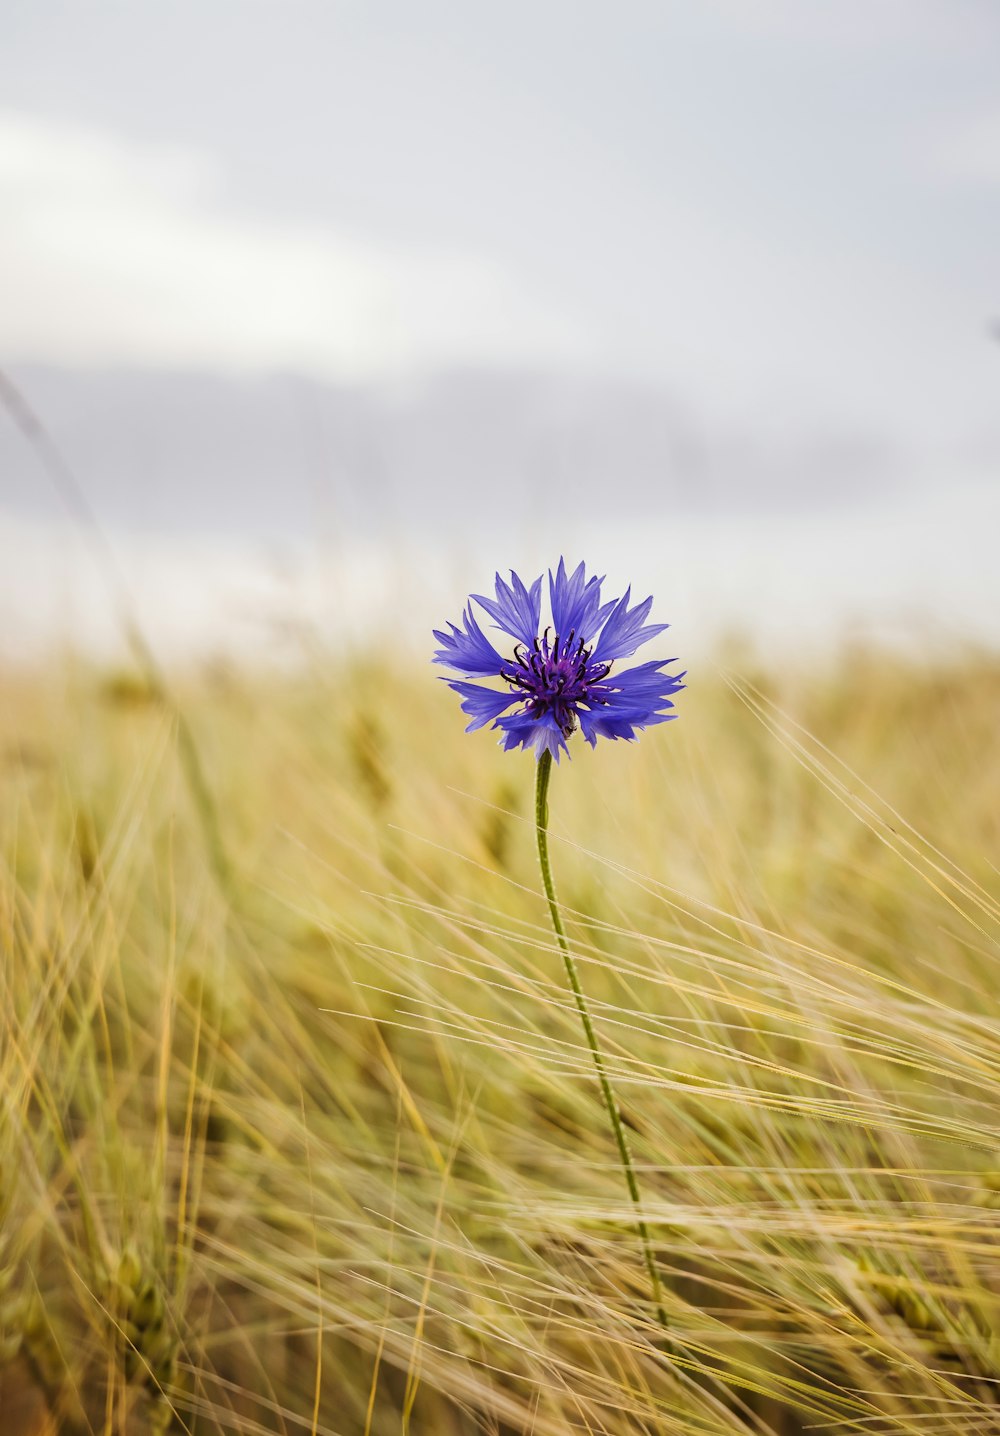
{"x":555,"y":676}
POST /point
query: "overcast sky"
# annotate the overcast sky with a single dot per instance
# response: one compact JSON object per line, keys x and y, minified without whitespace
{"x":705,"y":291}
{"x":780,"y":209}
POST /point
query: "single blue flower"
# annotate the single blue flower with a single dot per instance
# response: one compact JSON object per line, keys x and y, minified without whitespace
{"x":560,"y":679}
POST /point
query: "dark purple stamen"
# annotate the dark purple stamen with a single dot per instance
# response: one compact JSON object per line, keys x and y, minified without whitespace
{"x":556,"y":677}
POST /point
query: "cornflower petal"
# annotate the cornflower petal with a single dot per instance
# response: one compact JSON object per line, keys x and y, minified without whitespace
{"x":521,"y":730}
{"x":516,"y":609}
{"x":468,"y":651}
{"x":623,"y":632}
{"x":576,"y":602}
{"x":483,"y":705}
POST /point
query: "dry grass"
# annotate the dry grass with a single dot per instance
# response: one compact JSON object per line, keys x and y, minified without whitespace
{"x":317,"y":1148}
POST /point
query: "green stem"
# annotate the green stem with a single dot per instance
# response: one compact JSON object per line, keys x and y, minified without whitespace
{"x":541,"y":828}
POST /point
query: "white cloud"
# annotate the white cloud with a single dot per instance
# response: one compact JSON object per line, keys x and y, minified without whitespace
{"x":115,"y":253}
{"x":971,"y":152}
{"x":852,"y":24}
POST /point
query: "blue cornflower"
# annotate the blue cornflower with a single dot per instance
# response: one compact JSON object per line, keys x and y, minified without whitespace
{"x":560,"y":679}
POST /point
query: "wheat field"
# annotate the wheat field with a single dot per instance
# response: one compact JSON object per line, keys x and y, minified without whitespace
{"x":299,"y":1132}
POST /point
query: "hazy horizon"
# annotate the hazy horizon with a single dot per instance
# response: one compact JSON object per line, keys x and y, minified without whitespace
{"x":261,"y":529}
